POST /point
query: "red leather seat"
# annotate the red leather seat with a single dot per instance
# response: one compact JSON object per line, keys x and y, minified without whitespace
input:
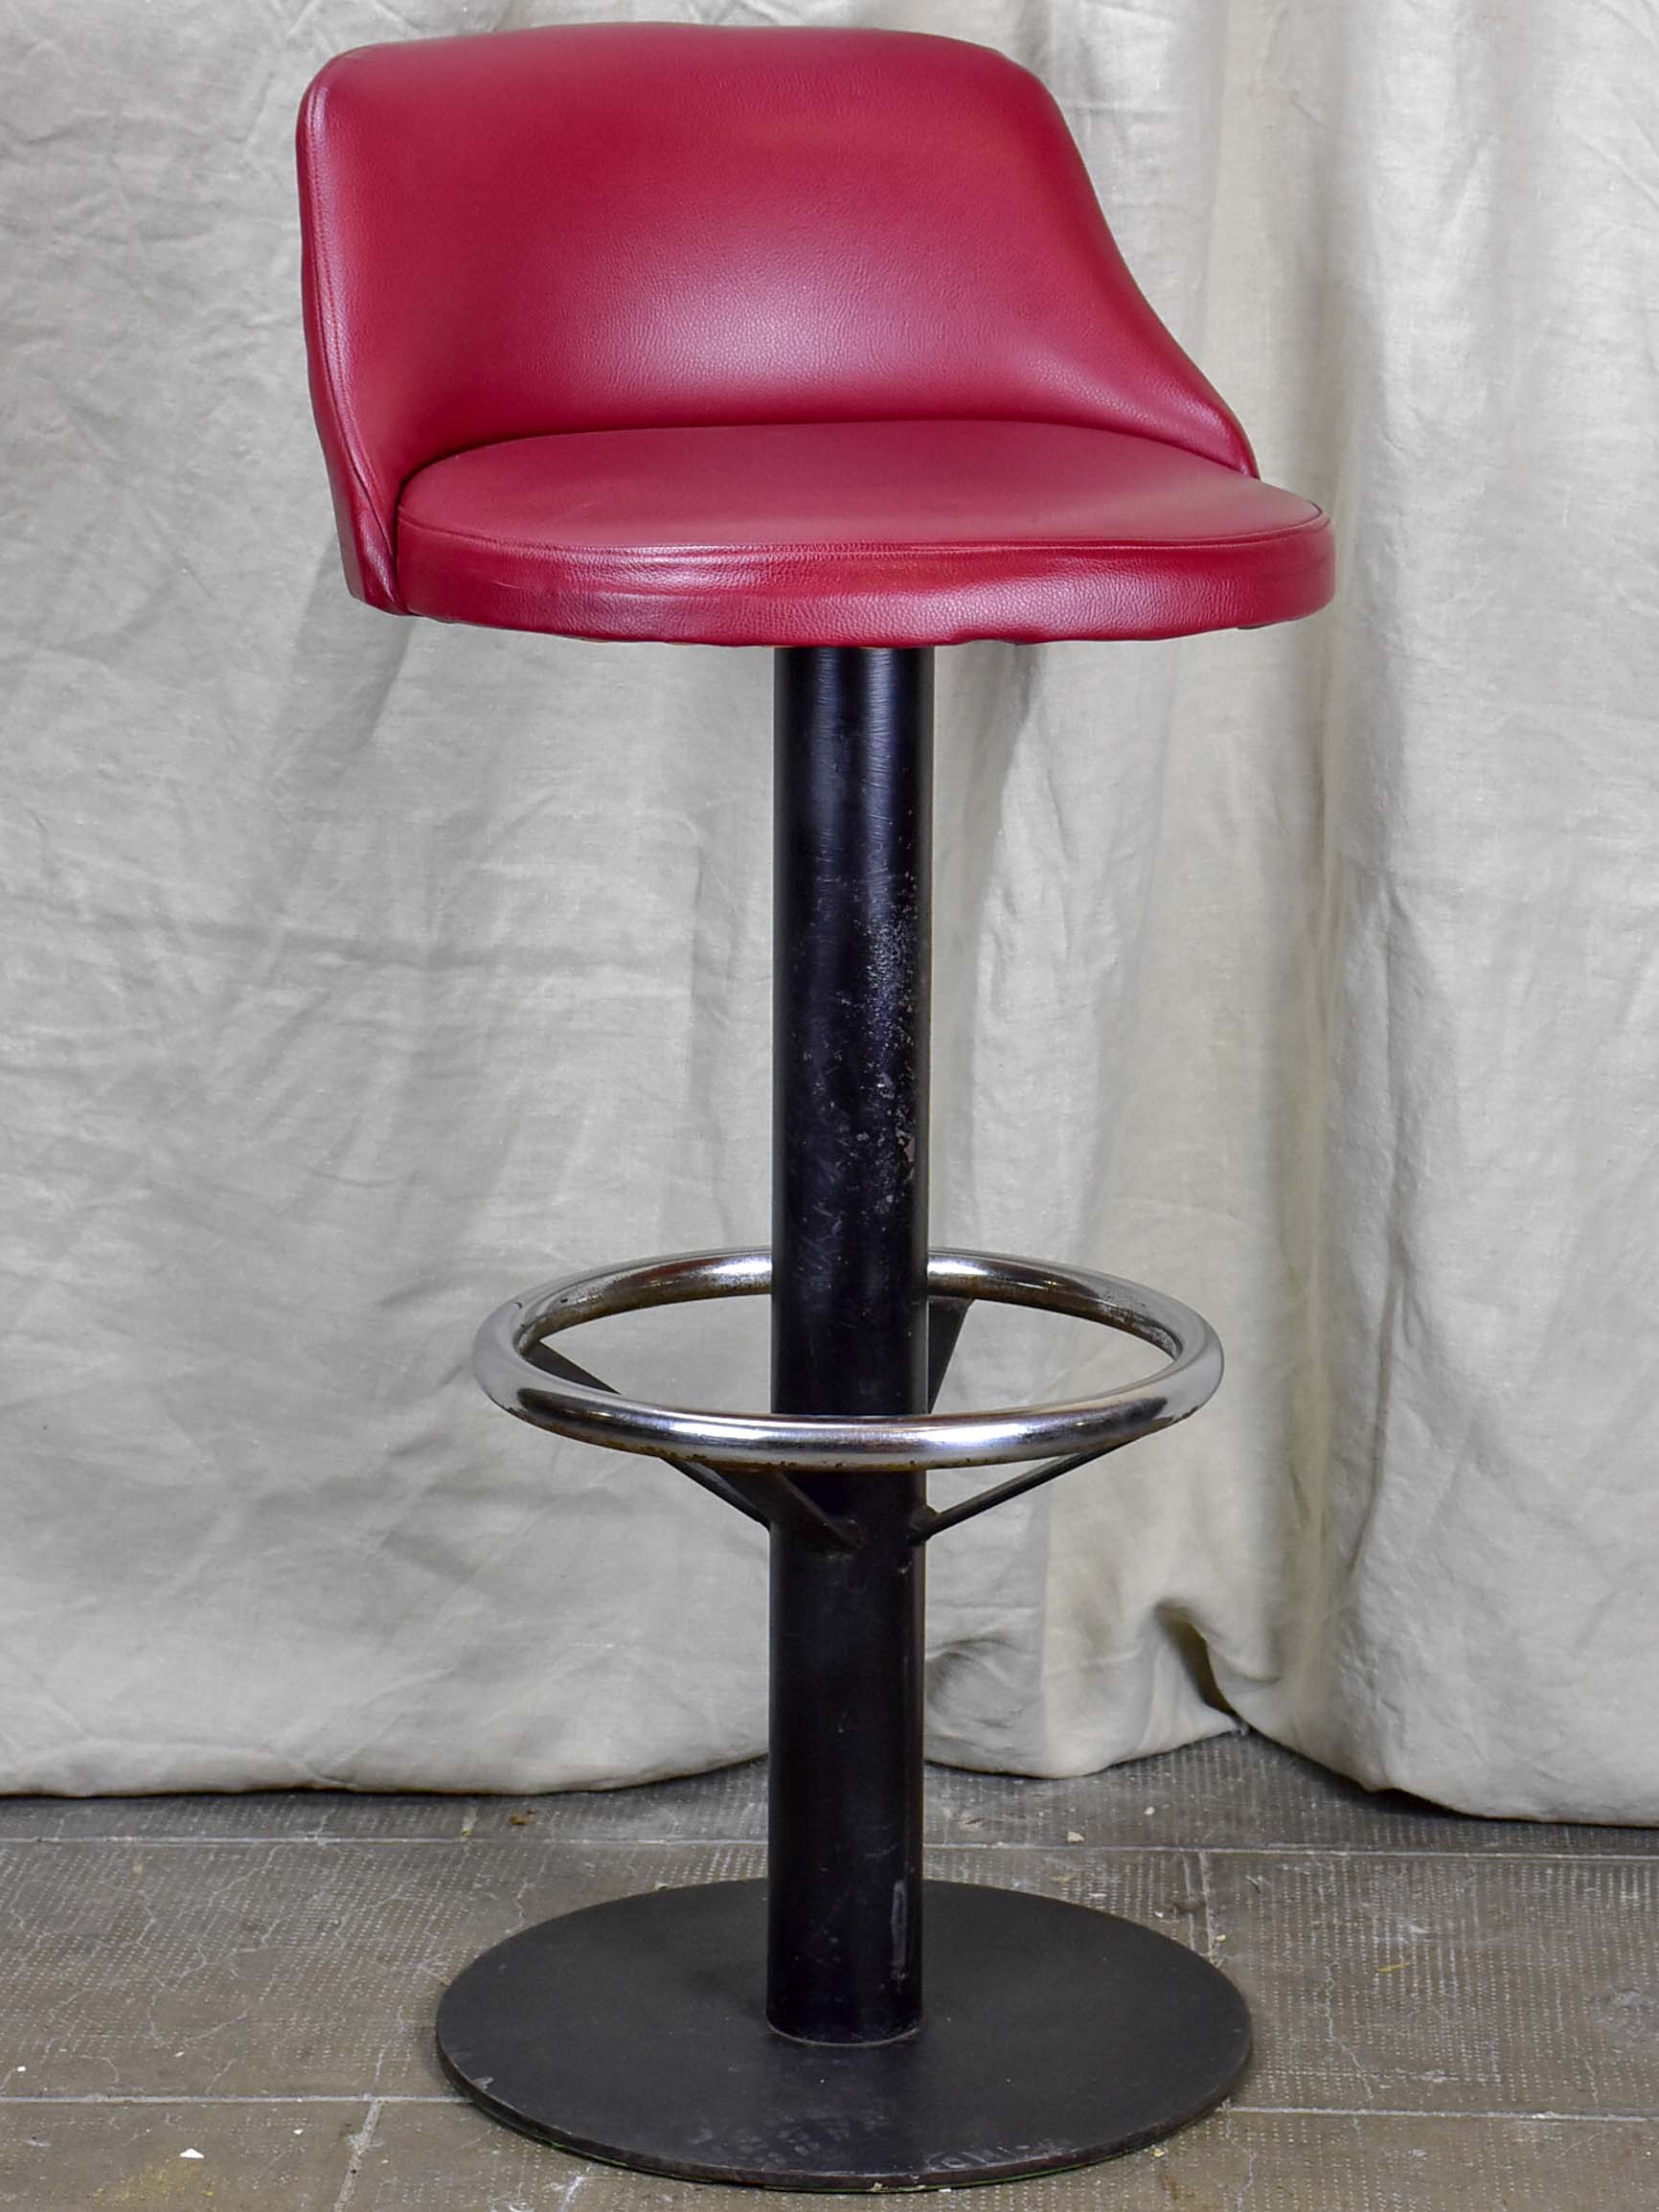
{"x":757,"y":337}
{"x":854,"y":532}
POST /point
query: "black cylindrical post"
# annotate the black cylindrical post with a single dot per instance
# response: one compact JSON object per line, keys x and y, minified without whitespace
{"x":850,"y":959}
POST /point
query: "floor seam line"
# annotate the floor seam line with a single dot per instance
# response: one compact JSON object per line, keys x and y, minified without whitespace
{"x":1418,"y":1854}
{"x":361,"y":2143}
{"x":1234,"y":2105}
{"x":251,"y":2097}
{"x":1209,"y":1952}
{"x":1442,"y":2112}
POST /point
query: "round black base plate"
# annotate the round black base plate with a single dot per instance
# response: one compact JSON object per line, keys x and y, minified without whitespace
{"x":635,"y":2031}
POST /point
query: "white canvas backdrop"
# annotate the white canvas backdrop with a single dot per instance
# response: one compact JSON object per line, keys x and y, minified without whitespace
{"x":360,"y":973}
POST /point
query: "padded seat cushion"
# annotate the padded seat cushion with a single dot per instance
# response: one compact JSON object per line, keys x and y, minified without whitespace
{"x":858,"y":533}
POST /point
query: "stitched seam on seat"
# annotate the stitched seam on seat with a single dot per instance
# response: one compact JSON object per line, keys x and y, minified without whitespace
{"x":662,"y":556}
{"x":849,"y":422}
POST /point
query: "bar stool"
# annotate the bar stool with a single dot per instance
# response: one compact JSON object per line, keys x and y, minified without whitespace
{"x":813,"y":340}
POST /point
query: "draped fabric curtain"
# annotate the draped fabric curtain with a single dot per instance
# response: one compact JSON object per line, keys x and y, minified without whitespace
{"x":360,"y":973}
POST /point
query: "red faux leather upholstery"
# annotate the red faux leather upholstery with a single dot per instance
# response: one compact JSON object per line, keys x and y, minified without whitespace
{"x":757,"y":337}
{"x":854,"y":532}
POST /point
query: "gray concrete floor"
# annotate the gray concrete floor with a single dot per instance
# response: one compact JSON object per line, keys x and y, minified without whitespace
{"x":226,"y":2003}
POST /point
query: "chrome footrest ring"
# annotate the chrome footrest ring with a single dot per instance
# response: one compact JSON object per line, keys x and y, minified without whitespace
{"x":820,"y":1444}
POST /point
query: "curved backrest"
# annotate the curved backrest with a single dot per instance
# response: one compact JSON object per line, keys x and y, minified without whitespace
{"x":628,"y":225}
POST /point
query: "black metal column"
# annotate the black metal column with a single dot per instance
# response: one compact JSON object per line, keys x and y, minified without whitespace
{"x":854,"y":817}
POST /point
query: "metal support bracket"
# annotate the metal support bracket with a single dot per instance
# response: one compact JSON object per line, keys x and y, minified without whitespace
{"x":771,"y":1500}
{"x":928,"y":1523}
{"x":944,"y":1319}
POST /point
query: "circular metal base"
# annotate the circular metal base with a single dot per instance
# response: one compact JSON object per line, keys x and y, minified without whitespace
{"x":635,"y":2032}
